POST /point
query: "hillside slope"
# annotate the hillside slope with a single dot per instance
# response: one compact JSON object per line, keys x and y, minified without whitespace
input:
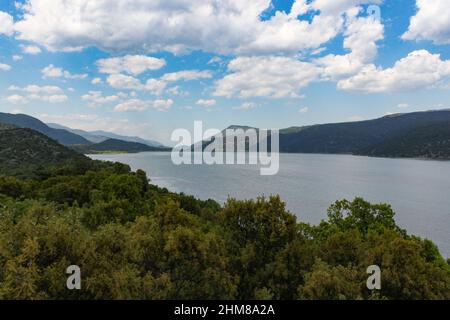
{"x":432,"y":141}
{"x":24,"y":150}
{"x":355,"y":137}
{"x":24,"y":121}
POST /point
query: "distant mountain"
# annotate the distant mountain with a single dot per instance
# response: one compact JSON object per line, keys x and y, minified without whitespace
{"x":23,"y":149}
{"x":117,"y":146}
{"x":418,"y":134}
{"x":24,"y":121}
{"x":100,"y":136}
{"x":356,"y":137}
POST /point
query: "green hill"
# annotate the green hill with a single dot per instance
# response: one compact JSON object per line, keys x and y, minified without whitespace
{"x":25,"y":150}
{"x":356,"y":137}
{"x":432,"y":141}
{"x":24,"y":121}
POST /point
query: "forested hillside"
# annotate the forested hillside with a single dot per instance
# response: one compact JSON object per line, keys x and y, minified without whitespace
{"x":431,"y":141}
{"x":25,"y":151}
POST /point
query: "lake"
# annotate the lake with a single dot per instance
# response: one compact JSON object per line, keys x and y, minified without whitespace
{"x":418,"y":190}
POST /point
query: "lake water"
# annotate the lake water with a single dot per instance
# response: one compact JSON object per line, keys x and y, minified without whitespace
{"x":419,"y":191}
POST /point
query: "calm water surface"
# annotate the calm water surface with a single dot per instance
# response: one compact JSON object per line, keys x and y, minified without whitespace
{"x":419,"y":191}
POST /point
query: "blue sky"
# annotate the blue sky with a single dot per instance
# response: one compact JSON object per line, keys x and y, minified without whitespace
{"x":141,"y":68}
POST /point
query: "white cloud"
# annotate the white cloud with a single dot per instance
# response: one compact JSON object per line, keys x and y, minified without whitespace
{"x":403,"y":105}
{"x":96,"y":97}
{"x":215,"y":60}
{"x":361,"y":35}
{"x":58,"y":98}
{"x":187,"y":75}
{"x":206,"y":103}
{"x":134,"y":65}
{"x":33,"y":50}
{"x":431,"y":22}
{"x":35,"y":89}
{"x":303,"y":110}
{"x":177,"y":91}
{"x":266,"y":77}
{"x":155,"y":86}
{"x":17,"y":57}
{"x":53,"y":72}
{"x":124,"y":82}
{"x":16,"y":99}
{"x":246,"y":106}
{"x":141,"y":105}
{"x":97,"y":81}
{"x":6,"y":24}
{"x":234,"y":26}
{"x":50,"y":94}
{"x":418,"y":70}
{"x":5,"y":67}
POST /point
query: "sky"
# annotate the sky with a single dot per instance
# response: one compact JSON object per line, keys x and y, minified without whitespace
{"x":146,"y":68}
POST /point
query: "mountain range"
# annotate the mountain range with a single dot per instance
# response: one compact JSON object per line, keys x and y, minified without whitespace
{"x":82,"y":141}
{"x":100,"y":136}
{"x":24,"y":121}
{"x":418,"y":134}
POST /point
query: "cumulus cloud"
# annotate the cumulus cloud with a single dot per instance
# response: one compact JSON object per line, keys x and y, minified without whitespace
{"x":19,"y":99}
{"x":206,"y":103}
{"x":6,"y":24}
{"x":35,"y":89}
{"x":360,"y":37}
{"x":431,"y":22}
{"x":33,"y":50}
{"x":50,"y":94}
{"x":124,"y":82}
{"x":187,"y":75}
{"x":234,"y":26}
{"x":96,"y":97}
{"x":141,"y":105}
{"x":131,"y":64}
{"x":17,"y":57}
{"x":5,"y":67}
{"x":97,"y":81}
{"x":53,"y":72}
{"x":16,"y":99}
{"x":418,"y":70}
{"x":266,"y":77}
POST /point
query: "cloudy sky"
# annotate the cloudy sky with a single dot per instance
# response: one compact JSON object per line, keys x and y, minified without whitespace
{"x":145,"y":68}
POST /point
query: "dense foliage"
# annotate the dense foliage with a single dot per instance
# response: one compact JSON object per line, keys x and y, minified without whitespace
{"x":134,"y":240}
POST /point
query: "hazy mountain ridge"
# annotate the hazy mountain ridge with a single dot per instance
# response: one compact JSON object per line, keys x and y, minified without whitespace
{"x":24,"y":121}
{"x":98,"y":136}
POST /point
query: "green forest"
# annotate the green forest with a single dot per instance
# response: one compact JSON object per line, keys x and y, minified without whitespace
{"x":133,"y":240}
